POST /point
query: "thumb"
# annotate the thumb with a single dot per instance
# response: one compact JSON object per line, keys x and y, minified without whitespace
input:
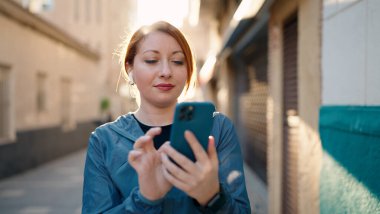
{"x":211,"y":150}
{"x":133,"y":157}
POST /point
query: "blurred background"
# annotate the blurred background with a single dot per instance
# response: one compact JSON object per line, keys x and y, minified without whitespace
{"x":300,"y":79}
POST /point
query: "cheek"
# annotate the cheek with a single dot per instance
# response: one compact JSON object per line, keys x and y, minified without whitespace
{"x":141,"y":74}
{"x":140,"y":80}
{"x":184,"y":75}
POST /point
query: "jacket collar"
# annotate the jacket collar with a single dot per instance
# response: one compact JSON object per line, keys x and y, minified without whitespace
{"x":128,"y":127}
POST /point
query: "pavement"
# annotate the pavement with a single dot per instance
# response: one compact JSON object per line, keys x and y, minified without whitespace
{"x":56,"y":187}
{"x":257,"y":192}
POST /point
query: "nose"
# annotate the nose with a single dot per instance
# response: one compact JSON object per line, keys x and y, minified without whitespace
{"x":166,"y":70}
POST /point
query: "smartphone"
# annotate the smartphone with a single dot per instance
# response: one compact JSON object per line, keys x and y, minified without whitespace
{"x":196,"y":117}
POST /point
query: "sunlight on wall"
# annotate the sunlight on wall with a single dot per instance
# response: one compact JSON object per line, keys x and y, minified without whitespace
{"x":207,"y":69}
{"x":172,"y":11}
{"x":247,"y":9}
{"x":339,"y":186}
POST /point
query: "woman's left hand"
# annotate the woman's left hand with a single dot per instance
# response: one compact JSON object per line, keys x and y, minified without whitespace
{"x":198,"y":179}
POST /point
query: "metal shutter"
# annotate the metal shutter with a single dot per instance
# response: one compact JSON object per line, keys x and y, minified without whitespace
{"x":290,"y":116}
{"x":254,"y":106}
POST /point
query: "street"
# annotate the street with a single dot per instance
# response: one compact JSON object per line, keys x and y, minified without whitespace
{"x":56,"y":187}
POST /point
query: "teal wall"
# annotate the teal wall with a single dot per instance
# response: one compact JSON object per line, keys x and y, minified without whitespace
{"x":350,"y":176}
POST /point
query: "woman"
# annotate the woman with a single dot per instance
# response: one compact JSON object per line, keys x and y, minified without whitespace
{"x":127,"y":166}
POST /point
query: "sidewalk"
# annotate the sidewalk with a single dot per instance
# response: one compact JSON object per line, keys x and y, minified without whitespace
{"x":56,"y":188}
{"x":257,"y":192}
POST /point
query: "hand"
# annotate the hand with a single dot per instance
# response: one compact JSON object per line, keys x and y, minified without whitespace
{"x":146,"y":160}
{"x":200,"y":179}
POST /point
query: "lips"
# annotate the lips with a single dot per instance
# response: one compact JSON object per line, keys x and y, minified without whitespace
{"x":164,"y":86}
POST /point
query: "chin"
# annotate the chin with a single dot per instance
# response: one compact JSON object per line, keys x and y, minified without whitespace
{"x":164,"y":101}
{"x":163,"y":104}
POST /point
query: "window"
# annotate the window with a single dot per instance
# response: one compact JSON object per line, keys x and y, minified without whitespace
{"x":66,"y":105}
{"x":41,"y":92}
{"x":38,"y":6}
{"x":76,"y":10}
{"x":88,"y":11}
{"x":5,"y":104}
{"x":99,"y":11}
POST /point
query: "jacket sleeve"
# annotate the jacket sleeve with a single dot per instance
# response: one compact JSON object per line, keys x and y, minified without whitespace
{"x":100,"y":195}
{"x":231,"y":172}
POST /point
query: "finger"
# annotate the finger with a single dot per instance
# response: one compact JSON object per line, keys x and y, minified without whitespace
{"x":212,"y":150}
{"x":141,"y":142}
{"x":199,"y":153}
{"x":153,"y":132}
{"x":179,"y":158}
{"x":146,"y":142}
{"x":133,"y":156}
{"x":174,"y":181}
{"x":162,"y":147}
{"x":174,"y":170}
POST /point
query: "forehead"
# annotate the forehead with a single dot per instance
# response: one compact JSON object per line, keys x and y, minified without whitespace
{"x":159,"y":41}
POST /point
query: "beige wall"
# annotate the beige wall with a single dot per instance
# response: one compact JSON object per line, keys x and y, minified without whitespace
{"x":310,"y":159}
{"x":89,"y":29}
{"x":309,"y":93}
{"x":103,"y":32}
{"x":28,"y":52}
{"x":100,"y":31}
{"x":120,"y":18}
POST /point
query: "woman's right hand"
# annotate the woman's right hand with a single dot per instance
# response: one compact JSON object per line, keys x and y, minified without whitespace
{"x":146,"y":160}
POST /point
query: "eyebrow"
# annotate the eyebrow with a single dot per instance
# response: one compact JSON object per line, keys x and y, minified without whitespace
{"x":156,"y":51}
{"x":175,"y":52}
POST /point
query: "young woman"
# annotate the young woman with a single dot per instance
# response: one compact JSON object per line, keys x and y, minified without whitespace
{"x":127,"y":166}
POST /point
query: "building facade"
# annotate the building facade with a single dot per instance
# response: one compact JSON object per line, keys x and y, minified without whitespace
{"x":55,"y":67}
{"x":300,"y":80}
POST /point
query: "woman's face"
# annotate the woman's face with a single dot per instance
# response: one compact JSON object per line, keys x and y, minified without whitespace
{"x":159,"y":70}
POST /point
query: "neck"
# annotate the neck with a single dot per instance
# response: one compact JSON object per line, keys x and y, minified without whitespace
{"x":154,"y":116}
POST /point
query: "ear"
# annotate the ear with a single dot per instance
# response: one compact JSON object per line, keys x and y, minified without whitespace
{"x":128,"y":67}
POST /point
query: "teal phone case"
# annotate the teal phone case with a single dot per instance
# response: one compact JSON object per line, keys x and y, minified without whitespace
{"x":196,"y":117}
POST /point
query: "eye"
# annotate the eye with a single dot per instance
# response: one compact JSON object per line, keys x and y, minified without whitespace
{"x":178,"y":62}
{"x":150,"y":61}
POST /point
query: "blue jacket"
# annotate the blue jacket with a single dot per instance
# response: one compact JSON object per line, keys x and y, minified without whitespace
{"x":111,"y":184}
